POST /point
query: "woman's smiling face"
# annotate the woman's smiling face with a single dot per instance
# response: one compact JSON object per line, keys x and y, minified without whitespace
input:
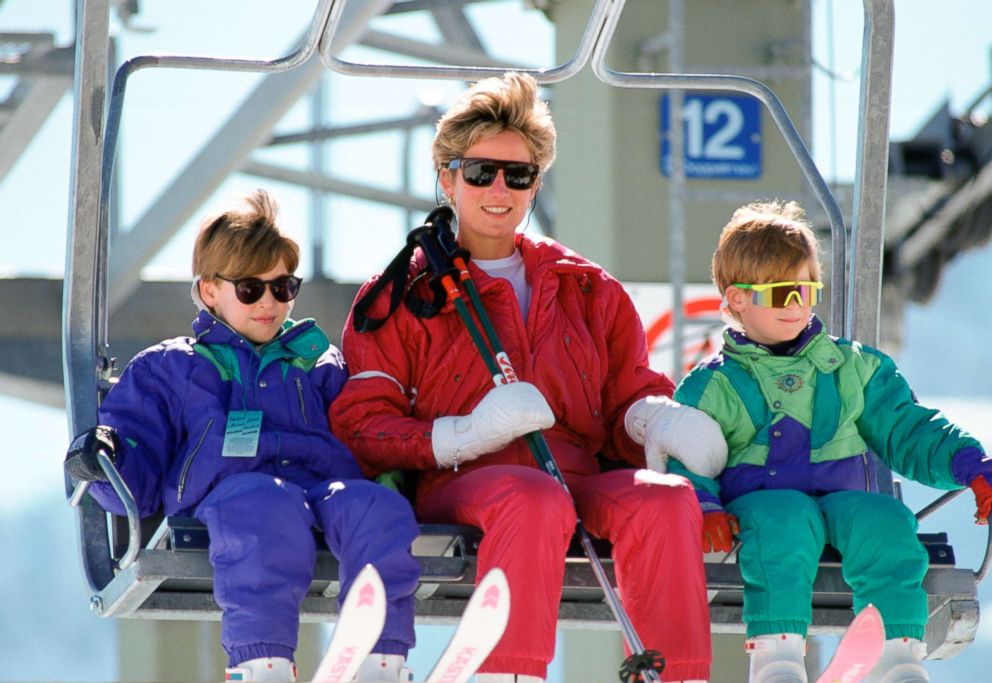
{"x":488,"y":216}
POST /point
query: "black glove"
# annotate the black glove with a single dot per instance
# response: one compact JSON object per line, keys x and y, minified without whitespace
{"x":81,"y":463}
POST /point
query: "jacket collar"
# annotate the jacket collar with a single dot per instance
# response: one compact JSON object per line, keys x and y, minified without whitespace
{"x":300,"y":338}
{"x":813,"y":344}
{"x":542,"y":254}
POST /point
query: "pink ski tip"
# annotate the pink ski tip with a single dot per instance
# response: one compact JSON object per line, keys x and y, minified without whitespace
{"x":859,"y":649}
{"x":870,"y":628}
{"x":491,"y":597}
{"x":366,"y":594}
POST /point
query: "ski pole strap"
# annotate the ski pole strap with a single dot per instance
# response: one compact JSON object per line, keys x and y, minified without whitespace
{"x":396,"y":272}
{"x":425,"y":308}
{"x":631,"y":671}
{"x":439,"y":265}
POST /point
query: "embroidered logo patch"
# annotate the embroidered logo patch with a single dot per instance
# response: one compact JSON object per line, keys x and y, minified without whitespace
{"x":789,"y":383}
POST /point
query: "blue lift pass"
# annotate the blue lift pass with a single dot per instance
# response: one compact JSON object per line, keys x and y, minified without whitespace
{"x":241,"y":433}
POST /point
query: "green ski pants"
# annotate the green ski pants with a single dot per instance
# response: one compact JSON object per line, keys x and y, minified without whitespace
{"x":782,"y":537}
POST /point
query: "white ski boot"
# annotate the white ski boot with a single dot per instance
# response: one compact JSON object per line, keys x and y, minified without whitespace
{"x":268,"y":669}
{"x":777,"y":658}
{"x":900,"y":662}
{"x":384,"y":669}
{"x":507,"y":678}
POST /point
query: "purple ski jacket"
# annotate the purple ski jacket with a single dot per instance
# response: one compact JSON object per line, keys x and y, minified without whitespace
{"x":172,"y":404}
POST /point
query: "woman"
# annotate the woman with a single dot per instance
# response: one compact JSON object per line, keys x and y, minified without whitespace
{"x":420,"y":398}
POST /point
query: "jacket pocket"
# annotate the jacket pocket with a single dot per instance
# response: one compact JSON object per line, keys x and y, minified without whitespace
{"x":188,"y":462}
{"x":866,"y":463}
{"x":303,"y":403}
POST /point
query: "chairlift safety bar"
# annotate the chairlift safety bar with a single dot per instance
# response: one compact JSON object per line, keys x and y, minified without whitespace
{"x":601,"y":13}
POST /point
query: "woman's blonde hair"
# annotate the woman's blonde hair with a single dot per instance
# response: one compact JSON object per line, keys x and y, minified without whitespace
{"x":491,"y":106}
{"x":765,"y":242}
{"x":243,"y":242}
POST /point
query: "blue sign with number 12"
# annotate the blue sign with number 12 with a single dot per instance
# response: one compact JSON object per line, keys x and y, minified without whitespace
{"x":722,"y":136}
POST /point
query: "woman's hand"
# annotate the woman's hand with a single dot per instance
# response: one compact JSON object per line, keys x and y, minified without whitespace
{"x":506,"y":412}
{"x":667,"y":428}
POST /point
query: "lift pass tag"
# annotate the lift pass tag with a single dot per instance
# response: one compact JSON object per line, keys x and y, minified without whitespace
{"x":241,"y":433}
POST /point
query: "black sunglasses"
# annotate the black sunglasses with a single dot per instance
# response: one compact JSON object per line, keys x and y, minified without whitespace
{"x":251,"y":289}
{"x":518,"y":175}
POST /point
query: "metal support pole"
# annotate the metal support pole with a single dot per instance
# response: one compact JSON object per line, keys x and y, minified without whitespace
{"x":871,"y":171}
{"x":318,"y":229}
{"x":676,"y":184}
{"x":78,"y":301}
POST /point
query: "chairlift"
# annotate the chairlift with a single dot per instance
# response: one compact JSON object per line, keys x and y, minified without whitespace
{"x":158,"y":568}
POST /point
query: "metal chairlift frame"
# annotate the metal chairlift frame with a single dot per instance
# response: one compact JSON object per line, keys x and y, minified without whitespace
{"x":164,"y":572}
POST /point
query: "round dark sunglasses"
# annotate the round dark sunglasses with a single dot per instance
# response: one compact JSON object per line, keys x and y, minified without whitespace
{"x":518,"y":175}
{"x":251,"y":289}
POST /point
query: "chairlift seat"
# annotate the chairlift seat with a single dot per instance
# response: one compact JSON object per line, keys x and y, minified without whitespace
{"x":171,"y":578}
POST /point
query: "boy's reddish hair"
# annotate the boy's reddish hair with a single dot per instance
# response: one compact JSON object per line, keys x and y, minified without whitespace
{"x":765,"y":242}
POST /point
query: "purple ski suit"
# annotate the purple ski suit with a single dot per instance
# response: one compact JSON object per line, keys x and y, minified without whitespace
{"x":171,"y":409}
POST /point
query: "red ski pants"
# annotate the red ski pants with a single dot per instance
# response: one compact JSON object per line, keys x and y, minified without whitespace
{"x":527,"y":521}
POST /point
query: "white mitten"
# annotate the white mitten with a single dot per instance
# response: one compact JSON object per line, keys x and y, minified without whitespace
{"x":506,"y":412}
{"x":667,"y":428}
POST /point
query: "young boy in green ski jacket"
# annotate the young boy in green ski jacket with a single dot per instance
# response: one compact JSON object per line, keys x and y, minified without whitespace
{"x":800,"y":411}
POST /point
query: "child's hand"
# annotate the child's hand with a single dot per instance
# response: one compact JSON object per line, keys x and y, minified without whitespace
{"x":719,"y":529}
{"x":983,"y":499}
{"x":81,"y":463}
{"x":973,"y":468}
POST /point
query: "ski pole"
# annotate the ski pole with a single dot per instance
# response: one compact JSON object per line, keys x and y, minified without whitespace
{"x":648,"y":664}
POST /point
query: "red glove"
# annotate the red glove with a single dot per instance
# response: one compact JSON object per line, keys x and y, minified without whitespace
{"x":719,"y":529}
{"x":983,"y":499}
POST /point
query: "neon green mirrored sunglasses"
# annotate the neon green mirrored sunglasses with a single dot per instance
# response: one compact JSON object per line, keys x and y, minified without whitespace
{"x":781,"y":294}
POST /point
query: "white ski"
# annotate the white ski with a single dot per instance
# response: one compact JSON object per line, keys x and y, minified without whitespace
{"x":478,"y":632}
{"x":360,"y":623}
{"x":859,"y":649}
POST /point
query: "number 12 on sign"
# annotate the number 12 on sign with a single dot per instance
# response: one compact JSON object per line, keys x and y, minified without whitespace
{"x":722,"y":136}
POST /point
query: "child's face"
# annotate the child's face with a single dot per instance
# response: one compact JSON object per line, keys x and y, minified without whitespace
{"x":258,"y":322}
{"x":770,"y":325}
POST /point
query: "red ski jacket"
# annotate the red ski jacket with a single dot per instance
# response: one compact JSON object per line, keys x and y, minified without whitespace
{"x":582,"y":345}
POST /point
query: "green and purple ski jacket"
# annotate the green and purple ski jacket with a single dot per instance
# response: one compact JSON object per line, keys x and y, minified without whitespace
{"x":806,"y":420}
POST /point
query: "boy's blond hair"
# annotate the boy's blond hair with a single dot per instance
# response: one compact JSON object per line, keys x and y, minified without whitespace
{"x":491,"y":106}
{"x":765,"y":242}
{"x":243,"y":242}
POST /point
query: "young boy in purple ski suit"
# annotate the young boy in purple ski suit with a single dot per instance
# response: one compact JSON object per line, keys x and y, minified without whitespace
{"x":230,"y":426}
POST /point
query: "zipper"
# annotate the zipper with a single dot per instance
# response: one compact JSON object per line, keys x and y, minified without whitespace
{"x":189,"y":461}
{"x":303,"y":405}
{"x":864,"y":463}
